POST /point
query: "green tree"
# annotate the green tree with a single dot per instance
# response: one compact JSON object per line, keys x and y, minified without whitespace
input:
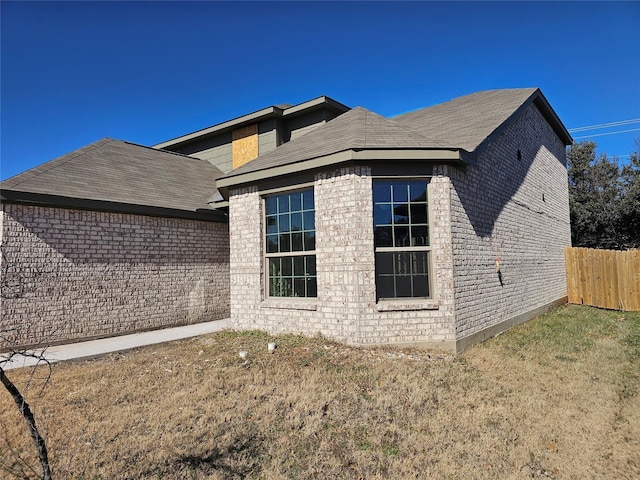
{"x":604,"y":199}
{"x":630,"y":202}
{"x":594,"y":192}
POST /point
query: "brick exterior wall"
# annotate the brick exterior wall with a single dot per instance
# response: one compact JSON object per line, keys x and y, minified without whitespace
{"x":509,"y":206}
{"x":516,"y":208}
{"x":72,"y":274}
{"x":346,"y":308}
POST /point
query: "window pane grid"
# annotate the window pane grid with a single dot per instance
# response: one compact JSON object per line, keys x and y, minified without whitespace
{"x":292,"y":276}
{"x":401,"y":227}
{"x":290,"y":230}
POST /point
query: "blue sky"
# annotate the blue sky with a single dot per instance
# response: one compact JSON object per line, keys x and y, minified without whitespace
{"x":72,"y":73}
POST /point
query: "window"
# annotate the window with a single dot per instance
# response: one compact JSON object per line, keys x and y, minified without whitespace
{"x":401,"y":230}
{"x":290,"y":244}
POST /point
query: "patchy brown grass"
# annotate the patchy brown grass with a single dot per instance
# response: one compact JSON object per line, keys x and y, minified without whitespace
{"x":555,"y":398}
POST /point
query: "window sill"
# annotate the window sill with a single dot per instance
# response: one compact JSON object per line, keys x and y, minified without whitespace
{"x":289,"y":304}
{"x":406,"y":305}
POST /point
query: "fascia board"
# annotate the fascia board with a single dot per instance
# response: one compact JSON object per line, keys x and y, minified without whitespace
{"x":536,"y":98}
{"x":253,"y":117}
{"x":219,"y":205}
{"x":221,"y":127}
{"x":444,"y":155}
{"x":552,"y":117}
{"x":57,"y":201}
{"x":311,"y":104}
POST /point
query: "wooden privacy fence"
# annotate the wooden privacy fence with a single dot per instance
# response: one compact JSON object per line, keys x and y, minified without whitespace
{"x":604,"y":278}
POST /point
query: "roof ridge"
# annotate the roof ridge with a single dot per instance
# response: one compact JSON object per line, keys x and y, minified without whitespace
{"x":405,"y":128}
{"x":161,"y":150}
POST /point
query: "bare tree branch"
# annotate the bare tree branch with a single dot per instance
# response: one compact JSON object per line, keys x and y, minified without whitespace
{"x":27,"y":414}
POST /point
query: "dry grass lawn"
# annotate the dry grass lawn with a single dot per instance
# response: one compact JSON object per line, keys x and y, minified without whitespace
{"x":558,"y":397}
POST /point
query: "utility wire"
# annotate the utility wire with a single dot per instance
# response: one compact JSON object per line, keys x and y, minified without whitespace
{"x":606,"y":125}
{"x":607,"y":133}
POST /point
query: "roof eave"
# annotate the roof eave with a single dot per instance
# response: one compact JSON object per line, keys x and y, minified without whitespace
{"x":444,"y":155}
{"x":58,"y":201}
{"x":263,"y":114}
{"x":538,"y":99}
{"x":552,"y":117}
{"x":222,"y":127}
{"x":320,"y":102}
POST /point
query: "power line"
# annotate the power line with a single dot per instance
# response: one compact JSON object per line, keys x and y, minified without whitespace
{"x":607,"y":133}
{"x":606,"y":125}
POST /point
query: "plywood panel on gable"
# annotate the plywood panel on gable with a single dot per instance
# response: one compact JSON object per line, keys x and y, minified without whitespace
{"x":244,"y":145}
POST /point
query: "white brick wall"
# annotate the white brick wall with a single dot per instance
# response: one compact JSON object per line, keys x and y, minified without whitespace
{"x":69,"y":274}
{"x":505,"y":207}
{"x":515,"y":210}
{"x":345,"y":308}
{"x":245,"y":237}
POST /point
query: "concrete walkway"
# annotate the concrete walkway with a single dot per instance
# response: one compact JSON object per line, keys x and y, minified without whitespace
{"x":94,"y":348}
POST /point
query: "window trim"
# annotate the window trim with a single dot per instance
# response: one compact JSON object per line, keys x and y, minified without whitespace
{"x":266,"y":297}
{"x":425,"y":302}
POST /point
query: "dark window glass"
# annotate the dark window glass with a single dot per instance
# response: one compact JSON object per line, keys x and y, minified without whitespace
{"x":418,"y":191}
{"x":272,"y":243}
{"x":271,"y":205}
{"x":382,"y":214}
{"x":421,"y":286}
{"x":383,"y":236}
{"x":401,"y":223}
{"x":299,"y":285}
{"x":382,"y":191}
{"x":307,"y":200}
{"x":385,"y":286}
{"x":296,"y":242}
{"x":298,"y":266}
{"x":401,"y":216}
{"x":402,"y":274}
{"x":296,"y":222}
{"x":311,"y":265}
{"x":384,"y":263}
{"x":296,"y":202}
{"x":401,"y":237}
{"x":272,"y":224}
{"x":419,"y":236}
{"x":309,"y":220}
{"x":418,"y":213}
{"x":290,"y":227}
{"x":283,"y":203}
{"x":309,"y":241}
{"x":285,"y":242}
{"x":283,"y":223}
{"x":312,"y":287}
{"x":287,"y":266}
{"x":400,"y":192}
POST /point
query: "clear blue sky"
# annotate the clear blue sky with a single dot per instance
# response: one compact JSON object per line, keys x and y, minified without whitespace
{"x":72,"y":73}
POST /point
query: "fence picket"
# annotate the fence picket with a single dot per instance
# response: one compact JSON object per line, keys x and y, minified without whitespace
{"x":603,"y":278}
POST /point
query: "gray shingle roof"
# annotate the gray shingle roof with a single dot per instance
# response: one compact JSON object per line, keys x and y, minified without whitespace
{"x":116,"y":171}
{"x":465,"y":122}
{"x":356,"y":129}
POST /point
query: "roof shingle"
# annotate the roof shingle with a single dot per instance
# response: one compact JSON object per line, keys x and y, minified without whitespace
{"x":356,"y":129}
{"x":116,"y":171}
{"x":464,"y":123}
